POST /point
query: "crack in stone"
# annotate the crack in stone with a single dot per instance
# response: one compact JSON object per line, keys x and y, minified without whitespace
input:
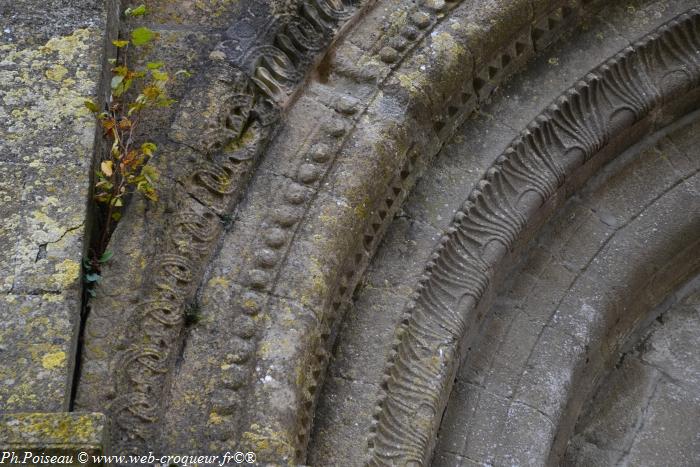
{"x":667,"y":376}
{"x":641,"y":423}
{"x":603,"y":245}
{"x":512,"y":400}
{"x":41,"y":254}
{"x":340,"y":375}
{"x":38,"y":292}
{"x":463,"y":457}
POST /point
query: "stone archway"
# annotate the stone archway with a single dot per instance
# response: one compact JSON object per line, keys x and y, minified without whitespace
{"x":644,"y":411}
{"x":312,"y":214}
{"x":309,"y":179}
{"x":396,"y":272}
{"x":564,"y":318}
{"x":589,"y":121}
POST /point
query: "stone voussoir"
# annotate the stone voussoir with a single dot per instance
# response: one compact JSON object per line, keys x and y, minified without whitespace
{"x":365,"y":140}
{"x":581,"y":124}
{"x":219,"y":132}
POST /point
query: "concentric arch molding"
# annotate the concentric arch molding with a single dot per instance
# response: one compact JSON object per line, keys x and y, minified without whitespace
{"x":140,"y":363}
{"x":347,"y":154}
{"x":643,"y":87}
{"x":220,"y":130}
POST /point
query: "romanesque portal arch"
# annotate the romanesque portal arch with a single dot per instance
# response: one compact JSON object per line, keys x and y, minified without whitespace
{"x":288,"y":176}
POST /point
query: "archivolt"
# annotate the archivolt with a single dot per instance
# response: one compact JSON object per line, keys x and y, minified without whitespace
{"x":633,"y":92}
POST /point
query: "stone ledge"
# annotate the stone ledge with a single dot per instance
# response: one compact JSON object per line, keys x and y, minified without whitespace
{"x":52,"y":434}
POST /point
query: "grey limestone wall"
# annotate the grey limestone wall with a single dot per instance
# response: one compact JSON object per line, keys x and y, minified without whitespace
{"x":51,"y":59}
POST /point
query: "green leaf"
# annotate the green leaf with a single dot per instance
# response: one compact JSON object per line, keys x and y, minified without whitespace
{"x":154,"y":65}
{"x":166,"y":102}
{"x":150,"y":173}
{"x":106,"y":256}
{"x":91,"y":106}
{"x":120,"y":44}
{"x":116,"y":81}
{"x":92,"y":277}
{"x":120,"y":70}
{"x":104,"y":185}
{"x":183,"y":73}
{"x":122,"y":88}
{"x":112,"y":61}
{"x":138,"y":11}
{"x":148,"y":148}
{"x":159,"y":75}
{"x":142,"y":36}
{"x":116,"y":216}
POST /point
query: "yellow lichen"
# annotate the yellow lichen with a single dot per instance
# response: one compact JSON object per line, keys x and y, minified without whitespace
{"x":53,"y":360}
{"x":218,"y":281}
{"x":67,"y":272}
{"x":23,"y":394}
{"x":59,"y":428}
{"x":415,"y":81}
{"x":445,"y":44}
{"x":56,"y":72}
{"x":215,"y":418}
{"x":265,"y":442}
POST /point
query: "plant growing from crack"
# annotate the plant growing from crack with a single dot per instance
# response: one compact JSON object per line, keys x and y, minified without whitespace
{"x":124,"y":169}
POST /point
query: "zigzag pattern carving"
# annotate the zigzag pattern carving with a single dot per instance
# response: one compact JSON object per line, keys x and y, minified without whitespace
{"x":426,"y":353}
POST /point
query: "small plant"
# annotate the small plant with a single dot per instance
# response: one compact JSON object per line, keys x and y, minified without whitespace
{"x":124,"y":169}
{"x":193,"y":314}
{"x":92,"y":271}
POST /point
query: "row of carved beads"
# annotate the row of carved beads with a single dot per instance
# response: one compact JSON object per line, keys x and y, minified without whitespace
{"x":420,"y":20}
{"x":236,"y":368}
{"x":290,"y":209}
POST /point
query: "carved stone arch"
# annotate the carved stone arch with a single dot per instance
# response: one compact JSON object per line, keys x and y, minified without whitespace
{"x":212,"y":144}
{"x":277,"y":193}
{"x":565,"y":315}
{"x":575,"y":136}
{"x":319,"y":203}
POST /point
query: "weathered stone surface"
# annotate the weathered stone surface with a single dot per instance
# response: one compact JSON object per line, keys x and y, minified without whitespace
{"x":51,"y":57}
{"x":555,"y":325}
{"x":73,"y":438}
{"x":281,"y":298}
{"x":372,"y":146}
{"x":248,"y":63}
{"x":435,"y":200}
{"x":645,"y":412}
{"x":27,"y":23}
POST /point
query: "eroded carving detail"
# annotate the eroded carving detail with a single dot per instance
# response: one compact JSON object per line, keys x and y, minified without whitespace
{"x":571,"y":131}
{"x":226,"y":122}
{"x":247,"y":95}
{"x":425,"y":18}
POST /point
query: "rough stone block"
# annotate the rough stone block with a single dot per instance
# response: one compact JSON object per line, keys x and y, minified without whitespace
{"x":70,"y":439}
{"x":51,"y":57}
